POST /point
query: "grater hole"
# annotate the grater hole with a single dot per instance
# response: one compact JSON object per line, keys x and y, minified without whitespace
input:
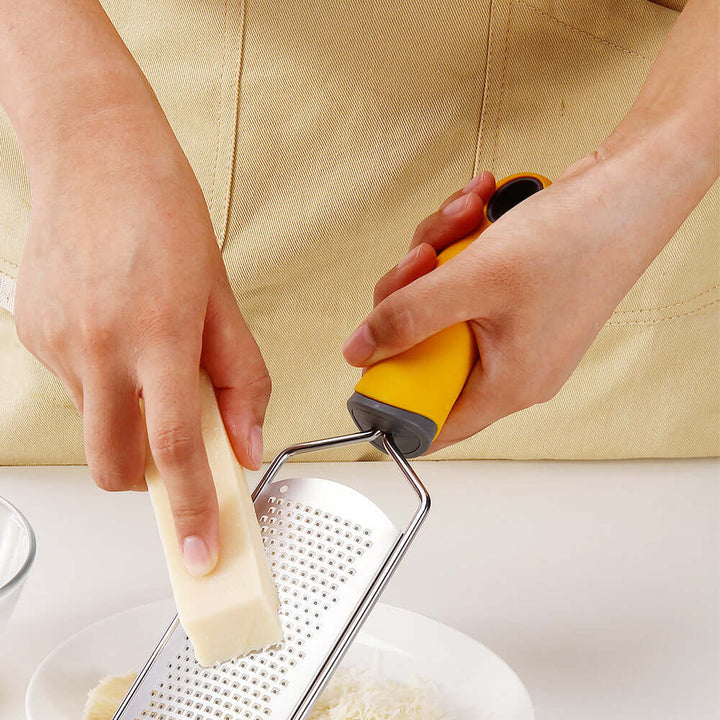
{"x":313,"y":554}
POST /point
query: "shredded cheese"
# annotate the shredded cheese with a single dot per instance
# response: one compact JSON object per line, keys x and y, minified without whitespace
{"x":354,"y":695}
{"x":104,"y":700}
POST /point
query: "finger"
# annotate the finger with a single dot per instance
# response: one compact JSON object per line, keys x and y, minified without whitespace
{"x":456,"y":220}
{"x":482,"y":184}
{"x":114,"y":433}
{"x":431,"y":303}
{"x":418,"y":262}
{"x":242,"y":383}
{"x":170,"y":387}
{"x":458,"y":216}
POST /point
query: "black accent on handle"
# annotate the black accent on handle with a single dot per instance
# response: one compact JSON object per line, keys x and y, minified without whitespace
{"x":511,"y":194}
{"x":412,"y":433}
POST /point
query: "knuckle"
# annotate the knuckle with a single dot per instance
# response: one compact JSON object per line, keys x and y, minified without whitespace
{"x":158,"y":327}
{"x":386,"y":285}
{"x":99,"y":337}
{"x":172,"y":444}
{"x":397,"y":323}
{"x":379,"y":291}
{"x":261,"y":383}
{"x":256,"y":382}
{"x":113,"y":479}
{"x":100,"y":329}
{"x":425,"y":224}
{"x":40,"y":327}
{"x":53,"y":332}
{"x":192,"y":509}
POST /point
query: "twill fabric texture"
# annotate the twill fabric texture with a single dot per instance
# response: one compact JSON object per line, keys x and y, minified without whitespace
{"x":321,"y":134}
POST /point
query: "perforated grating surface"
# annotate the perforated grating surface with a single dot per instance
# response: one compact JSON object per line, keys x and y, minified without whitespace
{"x":324,"y":556}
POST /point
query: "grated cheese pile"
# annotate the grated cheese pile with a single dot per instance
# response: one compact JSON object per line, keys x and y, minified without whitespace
{"x":351,"y":695}
{"x":104,"y":700}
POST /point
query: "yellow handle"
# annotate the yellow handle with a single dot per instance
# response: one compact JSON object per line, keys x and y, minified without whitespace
{"x":411,"y":394}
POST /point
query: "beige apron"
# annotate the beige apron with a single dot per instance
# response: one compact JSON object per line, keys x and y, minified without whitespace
{"x":323,"y":132}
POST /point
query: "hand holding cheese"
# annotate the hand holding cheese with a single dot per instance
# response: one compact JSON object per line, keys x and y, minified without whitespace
{"x":232,"y":610}
{"x":122,"y":291}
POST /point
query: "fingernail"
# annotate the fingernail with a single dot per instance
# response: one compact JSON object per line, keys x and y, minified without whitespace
{"x":360,"y":346}
{"x":256,"y":446}
{"x":456,"y":206}
{"x":198,"y":560}
{"x":407,"y":260}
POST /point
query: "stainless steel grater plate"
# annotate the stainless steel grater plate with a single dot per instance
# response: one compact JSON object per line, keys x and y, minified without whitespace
{"x":332,"y":550}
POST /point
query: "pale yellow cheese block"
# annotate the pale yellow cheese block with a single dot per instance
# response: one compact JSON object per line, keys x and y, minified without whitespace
{"x":234,"y":609}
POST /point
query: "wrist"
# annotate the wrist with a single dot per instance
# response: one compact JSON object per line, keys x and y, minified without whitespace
{"x":674,"y":123}
{"x":645,"y":179}
{"x":87,"y":102}
{"x":131,"y":141}
{"x":680,"y":147}
{"x":61,"y":65}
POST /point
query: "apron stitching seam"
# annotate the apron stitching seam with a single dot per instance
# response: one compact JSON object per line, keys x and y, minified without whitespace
{"x":502,"y":85}
{"x":669,"y":317}
{"x":220,"y":107}
{"x":505,"y":51}
{"x":237,"y":99}
{"x":667,"y":307}
{"x":486,"y":85}
{"x":9,"y":262}
{"x":497,"y":132}
{"x":580,"y":30}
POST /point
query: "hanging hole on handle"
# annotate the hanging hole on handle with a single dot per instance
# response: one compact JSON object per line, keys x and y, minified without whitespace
{"x":511,"y":194}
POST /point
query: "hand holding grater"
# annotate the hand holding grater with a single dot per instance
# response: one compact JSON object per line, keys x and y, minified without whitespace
{"x":332,"y":550}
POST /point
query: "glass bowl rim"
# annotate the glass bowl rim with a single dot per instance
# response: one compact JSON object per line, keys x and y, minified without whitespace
{"x":17,"y":578}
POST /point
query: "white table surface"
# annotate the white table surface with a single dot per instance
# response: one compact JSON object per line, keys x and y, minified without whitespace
{"x":599,"y":583}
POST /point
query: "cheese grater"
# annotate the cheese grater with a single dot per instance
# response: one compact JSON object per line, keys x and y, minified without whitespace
{"x":332,"y":550}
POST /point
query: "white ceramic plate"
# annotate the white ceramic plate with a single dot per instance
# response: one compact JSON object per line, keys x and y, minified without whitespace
{"x":474,"y":684}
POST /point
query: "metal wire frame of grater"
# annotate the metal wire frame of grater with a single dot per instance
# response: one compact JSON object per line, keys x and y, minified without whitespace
{"x":312,"y":554}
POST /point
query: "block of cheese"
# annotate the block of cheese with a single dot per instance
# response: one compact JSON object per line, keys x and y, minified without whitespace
{"x":232,"y":610}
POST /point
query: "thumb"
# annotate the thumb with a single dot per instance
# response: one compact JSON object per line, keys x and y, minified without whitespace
{"x":413,"y":313}
{"x":242,"y":383}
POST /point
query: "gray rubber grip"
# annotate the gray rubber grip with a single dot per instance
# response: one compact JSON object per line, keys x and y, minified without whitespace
{"x":412,"y":433}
